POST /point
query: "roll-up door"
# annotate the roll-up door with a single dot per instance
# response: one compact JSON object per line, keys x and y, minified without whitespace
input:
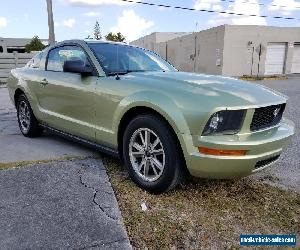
{"x":296,"y":59}
{"x":275,"y":58}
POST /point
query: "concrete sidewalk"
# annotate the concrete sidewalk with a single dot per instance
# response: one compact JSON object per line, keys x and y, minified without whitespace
{"x":62,"y":205}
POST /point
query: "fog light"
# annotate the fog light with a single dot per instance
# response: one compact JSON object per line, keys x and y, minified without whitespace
{"x":220,"y":152}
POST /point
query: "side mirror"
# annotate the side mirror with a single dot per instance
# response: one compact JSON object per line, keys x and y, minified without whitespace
{"x":77,"y":66}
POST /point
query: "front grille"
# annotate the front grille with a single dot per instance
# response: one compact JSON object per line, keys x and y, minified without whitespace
{"x":266,"y":162}
{"x":267,"y":117}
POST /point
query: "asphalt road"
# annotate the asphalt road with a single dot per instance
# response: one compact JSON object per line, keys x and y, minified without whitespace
{"x":286,"y":173}
{"x":61,"y":205}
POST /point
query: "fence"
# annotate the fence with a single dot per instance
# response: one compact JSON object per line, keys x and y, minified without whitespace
{"x":10,"y":61}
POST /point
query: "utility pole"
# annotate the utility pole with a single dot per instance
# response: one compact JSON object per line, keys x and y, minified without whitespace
{"x":50,"y":22}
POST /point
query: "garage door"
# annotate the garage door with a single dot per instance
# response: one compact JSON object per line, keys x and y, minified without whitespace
{"x":275,"y":58}
{"x":296,"y":59}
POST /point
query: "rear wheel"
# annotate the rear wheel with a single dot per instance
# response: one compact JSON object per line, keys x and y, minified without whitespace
{"x":28,"y":124}
{"x":152,"y":154}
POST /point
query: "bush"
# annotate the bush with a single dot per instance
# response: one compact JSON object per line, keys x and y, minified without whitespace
{"x":115,"y":37}
{"x":34,"y":45}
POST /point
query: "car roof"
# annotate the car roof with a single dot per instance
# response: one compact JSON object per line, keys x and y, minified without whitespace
{"x":100,"y":41}
{"x":91,"y":41}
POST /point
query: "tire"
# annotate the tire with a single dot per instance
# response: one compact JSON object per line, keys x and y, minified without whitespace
{"x":28,"y":124}
{"x":164,"y":161}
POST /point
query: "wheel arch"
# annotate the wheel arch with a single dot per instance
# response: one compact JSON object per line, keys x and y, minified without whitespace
{"x":142,"y":110}
{"x":32,"y":101}
{"x":152,"y":102}
{"x":155,"y":102}
{"x":17,"y":93}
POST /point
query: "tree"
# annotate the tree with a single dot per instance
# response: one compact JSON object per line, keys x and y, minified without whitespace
{"x":34,"y":45}
{"x":115,"y":37}
{"x":97,"y":31}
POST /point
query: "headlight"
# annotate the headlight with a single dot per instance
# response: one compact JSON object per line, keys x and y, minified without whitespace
{"x":227,"y":121}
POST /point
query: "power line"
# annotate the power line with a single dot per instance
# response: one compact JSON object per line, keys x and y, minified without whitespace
{"x":261,"y":4}
{"x":210,"y":11}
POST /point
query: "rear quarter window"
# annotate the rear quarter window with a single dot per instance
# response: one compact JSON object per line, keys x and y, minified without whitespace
{"x":35,"y":61}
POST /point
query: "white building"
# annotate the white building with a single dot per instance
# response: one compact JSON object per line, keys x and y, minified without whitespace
{"x":233,"y":50}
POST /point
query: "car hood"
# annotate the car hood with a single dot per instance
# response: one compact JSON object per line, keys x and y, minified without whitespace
{"x":226,"y":91}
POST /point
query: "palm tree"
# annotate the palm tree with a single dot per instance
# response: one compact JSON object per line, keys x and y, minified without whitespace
{"x":50,"y":22}
{"x":97,"y":31}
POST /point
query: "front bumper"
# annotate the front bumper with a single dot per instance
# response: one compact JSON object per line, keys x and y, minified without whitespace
{"x":260,"y":146}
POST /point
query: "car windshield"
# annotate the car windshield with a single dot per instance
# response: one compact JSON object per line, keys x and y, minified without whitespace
{"x":122,"y":59}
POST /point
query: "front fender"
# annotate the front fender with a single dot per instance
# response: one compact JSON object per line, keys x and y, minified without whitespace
{"x":156,"y":101}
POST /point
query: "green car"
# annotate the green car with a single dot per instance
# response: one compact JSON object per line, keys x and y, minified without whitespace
{"x":129,"y":102}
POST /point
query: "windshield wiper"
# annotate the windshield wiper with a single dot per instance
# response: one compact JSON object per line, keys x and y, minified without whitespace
{"x":115,"y":73}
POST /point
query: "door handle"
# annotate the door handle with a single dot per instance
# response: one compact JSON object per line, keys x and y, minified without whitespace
{"x":44,"y":82}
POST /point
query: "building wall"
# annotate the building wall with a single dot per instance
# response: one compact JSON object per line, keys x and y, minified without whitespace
{"x":238,"y":52}
{"x":149,"y":41}
{"x":161,"y":49}
{"x":181,"y":51}
{"x":166,"y":36}
{"x":197,"y":52}
{"x":228,"y":49}
{"x":192,"y":52}
{"x":3,"y":45}
{"x":146,"y":42}
{"x":210,"y":45}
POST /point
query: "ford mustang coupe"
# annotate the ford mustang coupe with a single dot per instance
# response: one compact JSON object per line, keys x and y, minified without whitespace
{"x":129,"y":102}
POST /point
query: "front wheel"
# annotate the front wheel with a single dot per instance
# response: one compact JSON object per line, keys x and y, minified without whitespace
{"x":152,"y":154}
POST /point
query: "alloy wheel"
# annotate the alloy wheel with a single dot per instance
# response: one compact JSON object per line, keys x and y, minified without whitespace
{"x":24,"y":116}
{"x":147,"y":154}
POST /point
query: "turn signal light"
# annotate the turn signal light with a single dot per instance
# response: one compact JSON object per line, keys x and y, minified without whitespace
{"x":211,"y":151}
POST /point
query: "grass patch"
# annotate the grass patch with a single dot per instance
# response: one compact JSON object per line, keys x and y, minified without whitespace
{"x":260,"y":78}
{"x":203,"y":214}
{"x":29,"y":163}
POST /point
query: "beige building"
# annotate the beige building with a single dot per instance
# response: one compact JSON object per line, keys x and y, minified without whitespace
{"x":231,"y":50}
{"x":150,"y":41}
{"x":12,"y":55}
{"x":10,"y":45}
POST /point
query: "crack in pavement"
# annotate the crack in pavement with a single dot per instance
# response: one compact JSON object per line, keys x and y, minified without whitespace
{"x":54,"y":202}
{"x":95,"y":192}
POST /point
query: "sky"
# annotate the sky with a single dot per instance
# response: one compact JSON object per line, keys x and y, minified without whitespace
{"x":76,"y":18}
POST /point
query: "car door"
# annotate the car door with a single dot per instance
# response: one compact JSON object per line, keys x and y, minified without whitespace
{"x":67,"y":99}
{"x":108,"y":93}
{"x":32,"y":74}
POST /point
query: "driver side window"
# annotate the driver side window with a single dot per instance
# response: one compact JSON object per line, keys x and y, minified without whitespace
{"x":58,"y":56}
